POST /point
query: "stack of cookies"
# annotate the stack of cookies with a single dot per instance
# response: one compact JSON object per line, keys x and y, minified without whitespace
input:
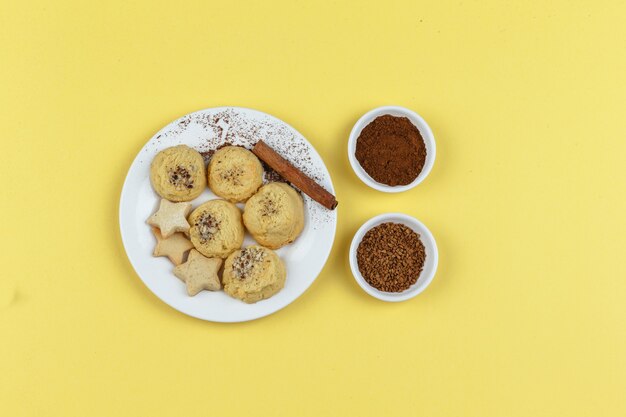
{"x":198,"y":241}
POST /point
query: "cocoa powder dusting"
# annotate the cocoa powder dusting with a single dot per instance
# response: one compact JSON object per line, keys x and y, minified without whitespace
{"x":207,"y":155}
{"x":391,"y":257}
{"x":269,"y":175}
{"x":391,"y":150}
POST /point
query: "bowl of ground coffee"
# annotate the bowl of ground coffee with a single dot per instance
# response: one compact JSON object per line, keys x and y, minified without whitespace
{"x":393,"y":257}
{"x":391,"y":149}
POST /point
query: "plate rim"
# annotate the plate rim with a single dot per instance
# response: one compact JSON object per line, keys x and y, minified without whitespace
{"x":124,"y":192}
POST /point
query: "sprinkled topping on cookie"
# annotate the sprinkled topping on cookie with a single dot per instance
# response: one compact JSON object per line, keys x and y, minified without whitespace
{"x":207,"y":226}
{"x":233,"y":175}
{"x":268,"y":207}
{"x":180,"y":177}
{"x":246,"y":260}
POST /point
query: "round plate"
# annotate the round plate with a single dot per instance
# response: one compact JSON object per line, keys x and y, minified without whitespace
{"x":205,"y":130}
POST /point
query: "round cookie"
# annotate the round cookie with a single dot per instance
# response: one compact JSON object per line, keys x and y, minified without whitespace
{"x":235,"y":173}
{"x":216,"y":228}
{"x":253,"y":274}
{"x":177,"y":173}
{"x":274,"y":216}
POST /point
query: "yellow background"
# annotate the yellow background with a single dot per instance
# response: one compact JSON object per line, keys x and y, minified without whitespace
{"x":527,"y":313}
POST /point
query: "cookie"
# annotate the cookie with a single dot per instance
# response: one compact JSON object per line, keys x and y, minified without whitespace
{"x":216,"y":228}
{"x":171,"y":218}
{"x":253,"y":274}
{"x":235,"y":173}
{"x":274,"y":216}
{"x":178,"y":174}
{"x":199,"y":273}
{"x":174,"y":247}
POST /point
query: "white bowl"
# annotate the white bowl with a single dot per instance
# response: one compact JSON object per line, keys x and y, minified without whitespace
{"x":430,"y":265}
{"x":422,"y":126}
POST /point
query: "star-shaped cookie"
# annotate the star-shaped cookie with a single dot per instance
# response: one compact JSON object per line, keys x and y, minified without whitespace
{"x":171,"y":218}
{"x":199,"y":273}
{"x":174,"y":247}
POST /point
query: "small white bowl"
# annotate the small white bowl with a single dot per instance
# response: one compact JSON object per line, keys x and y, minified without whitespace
{"x":422,"y":126}
{"x":430,"y":265}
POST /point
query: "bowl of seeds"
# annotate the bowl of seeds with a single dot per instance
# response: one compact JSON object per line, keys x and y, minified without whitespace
{"x":393,"y":257}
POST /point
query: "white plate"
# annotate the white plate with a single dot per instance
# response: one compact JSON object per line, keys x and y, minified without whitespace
{"x":204,"y":130}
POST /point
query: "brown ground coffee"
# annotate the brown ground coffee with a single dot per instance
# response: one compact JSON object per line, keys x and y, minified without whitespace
{"x":391,"y":257}
{"x":391,"y":150}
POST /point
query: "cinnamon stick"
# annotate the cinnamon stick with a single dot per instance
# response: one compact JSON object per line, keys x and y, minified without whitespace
{"x":294,"y":175}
